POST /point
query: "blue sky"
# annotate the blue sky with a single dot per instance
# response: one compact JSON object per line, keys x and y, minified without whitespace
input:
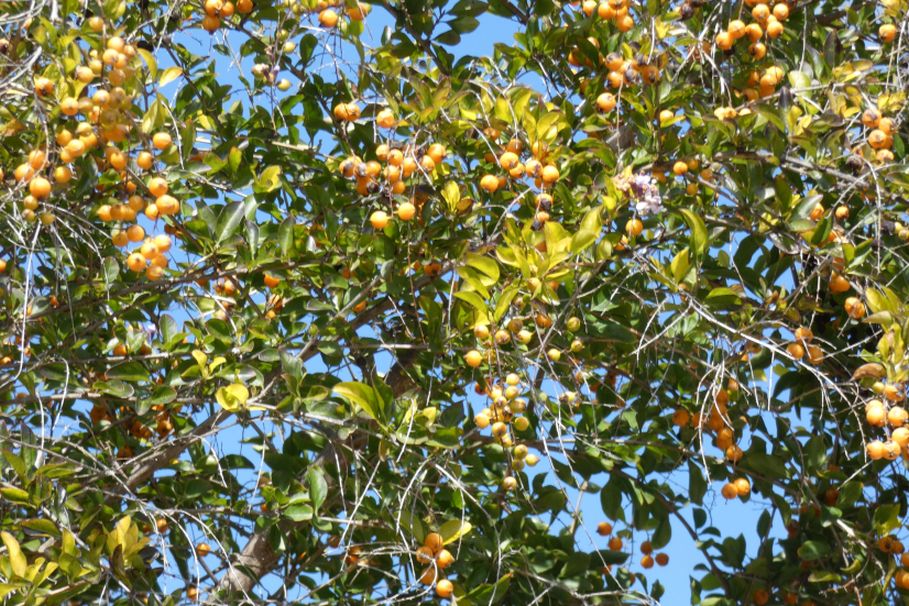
{"x":730,"y":518}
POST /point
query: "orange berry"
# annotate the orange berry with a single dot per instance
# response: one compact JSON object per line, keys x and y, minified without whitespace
{"x":162,"y":140}
{"x":39,"y":187}
{"x":433,"y":541}
{"x":328,"y":18}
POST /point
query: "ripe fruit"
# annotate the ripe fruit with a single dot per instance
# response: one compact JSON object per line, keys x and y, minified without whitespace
{"x":634,"y":227}
{"x":346,"y":112}
{"x":271,"y":281}
{"x":803,"y":333}
{"x":897,"y":416}
{"x":192,"y":593}
{"x":378,"y":219}
{"x":774,"y":28}
{"x":606,"y":102}
{"x":781,"y":11}
{"x":166,"y":205}
{"x":604,"y":529}
{"x":424,"y":554}
{"x":328,"y":18}
{"x":157,"y":186}
{"x":549,"y":174}
{"x":887,"y":33}
{"x":63,"y":175}
{"x":875,"y":450}
{"x":444,"y":588}
{"x":406,"y":211}
{"x":434,"y":542}
{"x":473,"y":358}
{"x":662,"y":559}
{"x":489,"y":183}
{"x":161,"y":140}
{"x":854,"y":308}
{"x":135,"y":233}
{"x":136,"y":262}
{"x":39,"y":187}
{"x":729,"y":491}
{"x":724,"y":41}
{"x":203,"y":549}
{"x":444,"y":559}
{"x":679,"y":168}
{"x":760,"y":597}
{"x":43,"y":87}
{"x":615,"y":543}
{"x":385,"y":119}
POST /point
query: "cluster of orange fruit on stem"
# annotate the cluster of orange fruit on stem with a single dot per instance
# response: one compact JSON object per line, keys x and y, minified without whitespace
{"x":544,"y":173}
{"x":888,"y":413}
{"x":717,"y":421}
{"x":766,"y":20}
{"x":880,"y":134}
{"x":150,"y":257}
{"x":107,"y":121}
{"x":328,"y":17}
{"x":504,"y":416}
{"x":802,"y":345}
{"x":216,"y":10}
{"x":610,"y":10}
{"x":648,"y":559}
{"x":433,"y":551}
{"x":621,"y":72}
{"x":107,"y":114}
{"x":392,"y":165}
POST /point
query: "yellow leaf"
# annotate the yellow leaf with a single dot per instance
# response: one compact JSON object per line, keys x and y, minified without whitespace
{"x":452,"y":530}
{"x":17,"y":560}
{"x":233,"y":397}
{"x":169,"y":75}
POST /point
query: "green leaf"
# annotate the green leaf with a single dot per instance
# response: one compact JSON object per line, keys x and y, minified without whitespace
{"x":299,"y":513}
{"x":490,"y":593}
{"x":114,"y":387}
{"x":232,"y":397}
{"x":364,"y":397}
{"x":680,"y":265}
{"x":228,"y":221}
{"x":697,"y":485}
{"x":699,"y":240}
{"x":505,"y":299}
{"x":886,"y":518}
{"x":813,"y":550}
{"x":17,"y":560}
{"x":722,"y":297}
{"x":16,"y":495}
{"x":318,"y":487}
{"x":452,"y":530}
{"x":286,"y":236}
{"x":588,"y":232}
{"x":485,"y":265}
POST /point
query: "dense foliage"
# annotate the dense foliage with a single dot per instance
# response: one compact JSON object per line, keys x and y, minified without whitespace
{"x":300,"y":308}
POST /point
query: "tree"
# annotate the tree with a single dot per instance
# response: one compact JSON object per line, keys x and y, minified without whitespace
{"x":296,"y":310}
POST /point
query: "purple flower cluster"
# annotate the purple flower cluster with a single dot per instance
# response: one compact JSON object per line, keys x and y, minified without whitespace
{"x":647,"y":195}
